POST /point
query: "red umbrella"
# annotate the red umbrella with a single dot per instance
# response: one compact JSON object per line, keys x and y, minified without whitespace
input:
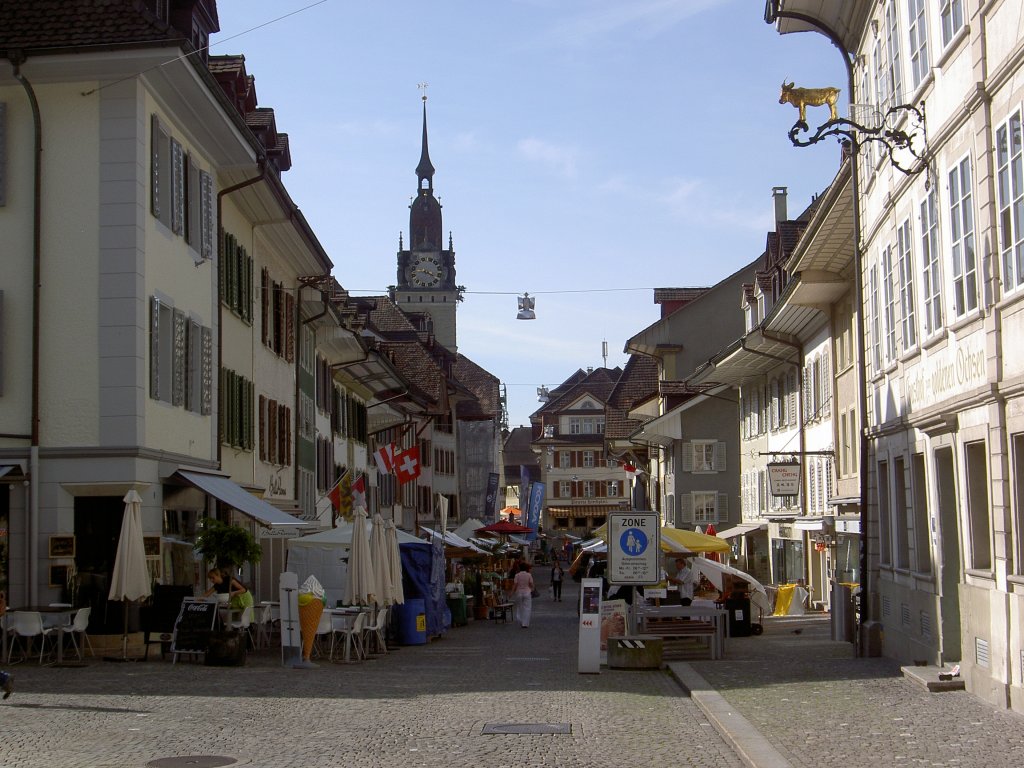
{"x":504,"y":528}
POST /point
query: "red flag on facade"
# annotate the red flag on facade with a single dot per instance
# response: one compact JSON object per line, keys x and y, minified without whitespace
{"x":359,"y":492}
{"x":407,"y":464}
{"x":335,"y":493}
{"x":385,"y":458}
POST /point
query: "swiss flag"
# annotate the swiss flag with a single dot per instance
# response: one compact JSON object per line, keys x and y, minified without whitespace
{"x":335,"y":496}
{"x":385,"y":458}
{"x":359,"y":492}
{"x":407,"y":464}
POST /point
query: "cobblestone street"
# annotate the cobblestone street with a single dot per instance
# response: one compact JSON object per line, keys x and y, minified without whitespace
{"x":809,"y":702}
{"x":418,"y":706}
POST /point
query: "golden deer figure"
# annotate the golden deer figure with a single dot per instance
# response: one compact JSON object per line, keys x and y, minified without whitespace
{"x":816,"y":97}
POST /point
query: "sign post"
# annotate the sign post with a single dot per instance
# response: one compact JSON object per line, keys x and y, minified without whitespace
{"x":590,"y":627}
{"x":634,"y":548}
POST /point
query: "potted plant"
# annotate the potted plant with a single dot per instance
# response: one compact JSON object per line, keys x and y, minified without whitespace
{"x":228,"y":547}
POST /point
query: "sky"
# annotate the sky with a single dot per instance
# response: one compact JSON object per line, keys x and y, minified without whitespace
{"x":586,"y":152}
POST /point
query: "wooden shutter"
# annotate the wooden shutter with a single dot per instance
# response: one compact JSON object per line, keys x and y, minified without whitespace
{"x":265,"y":299}
{"x":685,"y":508}
{"x":192,"y":355}
{"x":222,"y":406}
{"x":720,"y":449}
{"x":208,"y":213}
{"x":154,"y":348}
{"x":272,"y":431}
{"x":160,"y":172}
{"x":206,"y":382}
{"x":193,"y":210}
{"x":687,"y":456}
{"x":263,"y":428}
{"x":247,"y":421}
{"x":179,"y":362}
{"x":177,"y":188}
{"x":289,"y":328}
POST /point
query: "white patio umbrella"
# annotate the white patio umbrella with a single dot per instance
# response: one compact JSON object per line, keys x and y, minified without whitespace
{"x":360,"y":587}
{"x":130,"y":579}
{"x":715,"y":572}
{"x":395,"y":565}
{"x":380,"y":562}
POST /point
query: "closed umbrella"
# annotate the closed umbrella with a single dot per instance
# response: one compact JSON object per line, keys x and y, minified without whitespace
{"x":395,"y":565}
{"x":130,"y":579}
{"x":359,"y":588}
{"x":379,"y":561}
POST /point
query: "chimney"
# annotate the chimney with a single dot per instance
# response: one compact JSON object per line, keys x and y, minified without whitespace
{"x":779,"y":196}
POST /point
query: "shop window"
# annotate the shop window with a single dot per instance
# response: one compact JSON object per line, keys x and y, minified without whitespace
{"x":1018,"y":498}
{"x":901,"y":520}
{"x":922,"y":529}
{"x":979,"y":525}
{"x":884,"y":515}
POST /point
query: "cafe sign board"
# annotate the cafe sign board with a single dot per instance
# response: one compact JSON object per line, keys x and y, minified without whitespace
{"x":784,"y":478}
{"x":634,"y":548}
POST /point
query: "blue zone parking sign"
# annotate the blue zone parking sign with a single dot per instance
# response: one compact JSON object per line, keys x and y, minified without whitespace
{"x":633,"y":548}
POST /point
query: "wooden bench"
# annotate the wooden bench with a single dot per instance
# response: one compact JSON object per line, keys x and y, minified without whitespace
{"x":503,"y":612}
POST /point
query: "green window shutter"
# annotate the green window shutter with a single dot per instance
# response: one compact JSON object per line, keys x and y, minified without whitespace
{"x":720,"y":449}
{"x":222,"y":406}
{"x":686,"y":508}
{"x":688,"y":456}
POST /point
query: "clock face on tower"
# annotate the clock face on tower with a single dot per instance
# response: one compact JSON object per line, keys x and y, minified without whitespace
{"x":425,"y":271}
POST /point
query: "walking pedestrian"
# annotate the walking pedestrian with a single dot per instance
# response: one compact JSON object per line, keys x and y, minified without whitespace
{"x":557,"y":576}
{"x":6,"y":683}
{"x":522,"y":587}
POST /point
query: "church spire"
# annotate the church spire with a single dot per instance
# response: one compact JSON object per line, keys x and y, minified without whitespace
{"x":425,"y":171}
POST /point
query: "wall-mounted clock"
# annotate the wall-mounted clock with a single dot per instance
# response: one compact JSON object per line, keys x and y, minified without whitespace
{"x":425,"y":271}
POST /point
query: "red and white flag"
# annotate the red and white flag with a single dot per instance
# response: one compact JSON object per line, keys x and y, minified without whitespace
{"x":407,"y":464}
{"x":385,"y":458}
{"x":359,"y":492}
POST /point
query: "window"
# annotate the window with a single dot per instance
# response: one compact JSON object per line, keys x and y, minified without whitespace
{"x":564,"y":458}
{"x":574,"y":425}
{"x":704,"y":456}
{"x":1009,"y":175}
{"x":961,"y":223}
{"x":588,"y":489}
{"x":918,"y":34}
{"x":708,"y":506}
{"x":889,"y":304}
{"x":564,"y":489}
{"x":612,"y":488}
{"x":181,"y":193}
{"x":844,"y":446}
{"x":884,"y":515}
{"x":588,"y":458}
{"x":922,"y":529}
{"x":1017,"y":494}
{"x":277,"y":313}
{"x":876,"y":341}
{"x":932,"y":277}
{"x":901,"y":522}
{"x":275,"y":428}
{"x":906,"y":270}
{"x":236,"y":275}
{"x":894,"y":66}
{"x":952,"y":14}
{"x":180,"y":359}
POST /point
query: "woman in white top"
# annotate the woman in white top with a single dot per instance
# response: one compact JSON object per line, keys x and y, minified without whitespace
{"x":522,"y":589}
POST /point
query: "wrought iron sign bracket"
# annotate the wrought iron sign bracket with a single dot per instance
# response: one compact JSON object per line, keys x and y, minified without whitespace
{"x":893,"y":139}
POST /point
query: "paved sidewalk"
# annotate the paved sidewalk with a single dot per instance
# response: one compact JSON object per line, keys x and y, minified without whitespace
{"x":424,"y":705}
{"x":813,"y":704}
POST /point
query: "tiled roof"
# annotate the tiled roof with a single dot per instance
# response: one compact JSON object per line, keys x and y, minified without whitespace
{"x":638,"y":382}
{"x":412,"y":360}
{"x":517,"y":447}
{"x":677,"y":294}
{"x":598,"y":383}
{"x":481,"y":383}
{"x":64,"y":24}
{"x":382,"y":315}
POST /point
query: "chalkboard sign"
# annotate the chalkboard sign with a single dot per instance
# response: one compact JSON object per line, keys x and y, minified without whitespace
{"x":193,"y":627}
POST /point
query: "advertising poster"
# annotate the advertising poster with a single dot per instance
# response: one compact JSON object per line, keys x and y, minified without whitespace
{"x":490,"y":500}
{"x":613,"y":623}
{"x":533,"y":510}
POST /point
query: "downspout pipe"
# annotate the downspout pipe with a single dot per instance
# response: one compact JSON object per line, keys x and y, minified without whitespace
{"x":17,"y":58}
{"x":261,"y":164}
{"x":858,"y":262}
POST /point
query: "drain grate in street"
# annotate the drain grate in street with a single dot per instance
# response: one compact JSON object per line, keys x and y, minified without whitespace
{"x":192,"y":761}
{"x":530,"y":728}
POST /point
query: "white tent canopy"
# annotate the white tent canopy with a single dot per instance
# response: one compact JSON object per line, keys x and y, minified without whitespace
{"x":715,"y":572}
{"x":325,"y":555}
{"x":468,"y":528}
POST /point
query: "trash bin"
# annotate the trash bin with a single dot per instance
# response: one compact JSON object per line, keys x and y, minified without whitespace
{"x":844,"y":612}
{"x":457,"y":606}
{"x":412,"y":622}
{"x":738,"y":607}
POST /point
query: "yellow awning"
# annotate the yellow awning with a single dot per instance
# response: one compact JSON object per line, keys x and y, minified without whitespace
{"x":679,"y":541}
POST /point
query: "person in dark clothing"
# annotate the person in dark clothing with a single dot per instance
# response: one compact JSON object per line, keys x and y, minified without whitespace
{"x":557,"y":576}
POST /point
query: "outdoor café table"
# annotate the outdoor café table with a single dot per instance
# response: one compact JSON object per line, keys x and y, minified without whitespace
{"x":56,"y":616}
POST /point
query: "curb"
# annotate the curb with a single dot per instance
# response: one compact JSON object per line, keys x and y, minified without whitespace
{"x":745,"y":740}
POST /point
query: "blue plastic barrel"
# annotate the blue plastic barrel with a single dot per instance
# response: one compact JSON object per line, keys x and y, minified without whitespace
{"x":412,"y":622}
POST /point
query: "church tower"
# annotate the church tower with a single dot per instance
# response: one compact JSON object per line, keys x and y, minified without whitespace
{"x":426,"y":271}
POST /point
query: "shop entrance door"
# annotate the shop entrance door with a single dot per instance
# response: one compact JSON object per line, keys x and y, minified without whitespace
{"x":949,"y":552}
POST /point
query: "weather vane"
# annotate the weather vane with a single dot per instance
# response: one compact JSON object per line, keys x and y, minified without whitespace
{"x":423,"y":87}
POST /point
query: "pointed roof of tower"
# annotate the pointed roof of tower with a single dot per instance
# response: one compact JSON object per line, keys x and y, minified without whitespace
{"x":425,"y":170}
